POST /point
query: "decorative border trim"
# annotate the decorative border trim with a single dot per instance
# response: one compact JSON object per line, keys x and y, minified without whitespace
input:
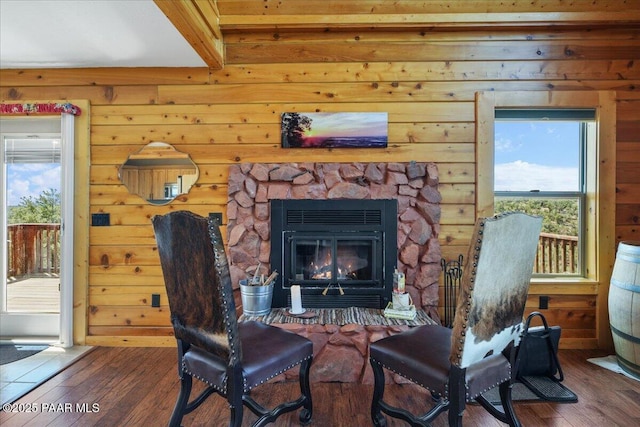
{"x":40,"y":108}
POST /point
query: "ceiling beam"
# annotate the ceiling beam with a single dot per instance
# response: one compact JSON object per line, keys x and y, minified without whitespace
{"x":199,"y":23}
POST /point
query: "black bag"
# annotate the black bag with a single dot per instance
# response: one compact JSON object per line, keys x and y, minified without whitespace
{"x":538,"y":352}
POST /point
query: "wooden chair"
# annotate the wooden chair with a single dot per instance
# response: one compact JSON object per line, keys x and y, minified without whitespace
{"x":231,"y":358}
{"x":459,"y":365}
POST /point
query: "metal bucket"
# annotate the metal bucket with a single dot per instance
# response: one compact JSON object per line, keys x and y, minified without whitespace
{"x":256,"y":300}
{"x":624,"y":307}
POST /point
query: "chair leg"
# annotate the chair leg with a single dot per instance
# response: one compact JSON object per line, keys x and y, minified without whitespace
{"x":268,"y":416}
{"x":183,"y":399}
{"x":305,"y":388}
{"x":457,"y":395}
{"x":235,"y":394}
{"x":378,"y":392}
{"x":235,"y":419}
{"x":455,"y":414}
{"x":507,"y":404}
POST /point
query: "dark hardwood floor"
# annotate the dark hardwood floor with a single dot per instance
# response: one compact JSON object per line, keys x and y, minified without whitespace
{"x":138,"y":387}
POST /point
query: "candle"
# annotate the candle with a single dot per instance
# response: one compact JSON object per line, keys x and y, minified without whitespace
{"x":401,"y":283}
{"x":296,"y":299}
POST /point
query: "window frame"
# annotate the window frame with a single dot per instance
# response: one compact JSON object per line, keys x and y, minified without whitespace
{"x":600,"y":186}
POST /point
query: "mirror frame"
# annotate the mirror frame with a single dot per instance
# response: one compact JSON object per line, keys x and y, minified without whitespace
{"x":156,"y":173}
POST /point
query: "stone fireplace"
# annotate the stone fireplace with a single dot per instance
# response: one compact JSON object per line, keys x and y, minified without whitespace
{"x":413,"y":185}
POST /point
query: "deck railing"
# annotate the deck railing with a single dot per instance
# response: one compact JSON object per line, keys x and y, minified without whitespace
{"x":557,"y":254}
{"x":33,"y":249}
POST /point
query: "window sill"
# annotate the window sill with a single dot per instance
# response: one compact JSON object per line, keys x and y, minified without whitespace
{"x":567,"y":286}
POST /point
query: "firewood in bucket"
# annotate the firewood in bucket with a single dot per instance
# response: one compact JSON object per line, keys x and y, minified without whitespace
{"x":271,"y":278}
{"x":254,"y":279}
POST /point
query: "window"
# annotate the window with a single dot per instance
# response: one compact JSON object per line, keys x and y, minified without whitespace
{"x":598,"y":157}
{"x":540,"y":167}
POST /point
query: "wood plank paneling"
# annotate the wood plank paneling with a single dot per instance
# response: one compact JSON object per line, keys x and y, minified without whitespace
{"x":419,"y":35}
{"x":628,"y":194}
{"x":425,"y":91}
{"x":96,"y":95}
{"x":105,"y":76}
{"x":628,"y":151}
{"x":119,"y":282}
{"x":627,"y":172}
{"x":127,"y":331}
{"x":439,"y":21}
{"x":253,"y":153}
{"x":628,"y":232}
{"x":119,"y":315}
{"x":427,"y":50}
{"x":627,"y":214}
{"x":267,"y":133}
{"x":321,"y":7}
{"x":398,"y":112}
{"x":340,"y":72}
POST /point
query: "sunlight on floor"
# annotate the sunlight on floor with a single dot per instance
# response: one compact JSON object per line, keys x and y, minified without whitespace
{"x":20,"y":377}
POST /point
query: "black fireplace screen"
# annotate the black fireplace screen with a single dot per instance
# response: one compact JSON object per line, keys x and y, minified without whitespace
{"x":341,"y":252}
{"x":343,"y":257}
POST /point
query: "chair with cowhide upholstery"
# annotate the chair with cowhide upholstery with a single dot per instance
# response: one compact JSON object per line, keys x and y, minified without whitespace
{"x":458,"y":365}
{"x":231,"y":357}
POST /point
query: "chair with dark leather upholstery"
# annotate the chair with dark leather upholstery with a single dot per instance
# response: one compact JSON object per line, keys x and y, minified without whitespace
{"x":231,"y":357}
{"x":459,"y":365}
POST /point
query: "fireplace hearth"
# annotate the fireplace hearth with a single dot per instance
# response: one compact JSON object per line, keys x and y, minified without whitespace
{"x":341,"y":252}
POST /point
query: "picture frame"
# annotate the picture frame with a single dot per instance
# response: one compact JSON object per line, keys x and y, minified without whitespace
{"x":334,"y":130}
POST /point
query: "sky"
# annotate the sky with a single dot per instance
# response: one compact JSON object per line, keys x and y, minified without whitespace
{"x":37,"y":167}
{"x":347,"y":124}
{"x":31,"y":179}
{"x":536,"y":155}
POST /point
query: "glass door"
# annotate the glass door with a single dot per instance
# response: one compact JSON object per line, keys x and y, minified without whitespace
{"x":319,"y":259}
{"x":31,"y":218}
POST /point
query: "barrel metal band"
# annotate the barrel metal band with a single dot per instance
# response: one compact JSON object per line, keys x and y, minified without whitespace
{"x":629,"y":248}
{"x":626,"y":286}
{"x":635,"y":340}
{"x":628,"y":257}
{"x":627,"y":364}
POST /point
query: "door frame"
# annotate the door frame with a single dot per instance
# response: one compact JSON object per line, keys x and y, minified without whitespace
{"x":74,"y":305}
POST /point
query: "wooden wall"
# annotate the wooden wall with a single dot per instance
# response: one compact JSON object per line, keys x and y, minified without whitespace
{"x":425,"y":80}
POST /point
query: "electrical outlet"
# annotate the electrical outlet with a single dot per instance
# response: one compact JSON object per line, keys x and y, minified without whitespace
{"x":543,"y":302}
{"x":155,"y":300}
{"x":100,"y":220}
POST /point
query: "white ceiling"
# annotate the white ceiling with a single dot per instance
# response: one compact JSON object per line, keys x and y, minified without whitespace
{"x":90,"y":33}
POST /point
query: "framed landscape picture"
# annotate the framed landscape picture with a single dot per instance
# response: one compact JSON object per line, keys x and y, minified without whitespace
{"x":334,"y":130}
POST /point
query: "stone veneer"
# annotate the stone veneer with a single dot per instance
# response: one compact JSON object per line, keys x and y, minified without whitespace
{"x":414,"y":185}
{"x":341,"y":351}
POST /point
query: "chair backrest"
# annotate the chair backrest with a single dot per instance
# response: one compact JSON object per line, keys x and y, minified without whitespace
{"x":494,"y":288}
{"x":196,"y":275}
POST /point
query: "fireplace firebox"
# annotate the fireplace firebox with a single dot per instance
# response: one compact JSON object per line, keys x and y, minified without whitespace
{"x":342,"y":253}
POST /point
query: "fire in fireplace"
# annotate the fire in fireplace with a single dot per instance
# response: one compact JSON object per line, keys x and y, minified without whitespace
{"x":341,"y":252}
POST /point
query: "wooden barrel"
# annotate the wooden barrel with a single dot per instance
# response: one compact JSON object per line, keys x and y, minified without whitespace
{"x":624,"y":307}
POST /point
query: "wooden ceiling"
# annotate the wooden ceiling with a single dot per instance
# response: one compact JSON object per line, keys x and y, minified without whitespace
{"x":206,"y":23}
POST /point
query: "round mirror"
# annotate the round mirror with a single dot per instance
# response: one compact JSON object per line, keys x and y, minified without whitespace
{"x":158,"y":173}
